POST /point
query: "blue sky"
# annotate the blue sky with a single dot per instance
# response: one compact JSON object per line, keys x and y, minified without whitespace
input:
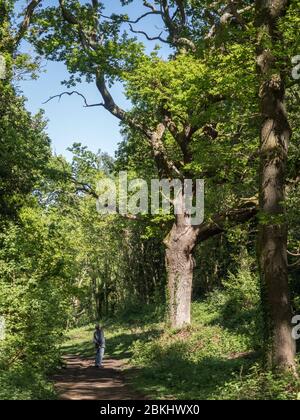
{"x":68,"y":120}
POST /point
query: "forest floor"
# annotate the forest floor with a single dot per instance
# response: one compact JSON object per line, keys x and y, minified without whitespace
{"x":80,"y":380}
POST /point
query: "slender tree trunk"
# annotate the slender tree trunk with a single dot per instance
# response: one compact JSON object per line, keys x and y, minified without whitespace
{"x":180,"y":266}
{"x":99,"y":304}
{"x":275,"y":136}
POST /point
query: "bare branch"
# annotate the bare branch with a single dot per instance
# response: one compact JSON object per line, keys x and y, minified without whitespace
{"x":86,"y":104}
{"x":177,"y":41}
{"x":156,"y":12}
{"x":293,"y":254}
{"x":149,"y":38}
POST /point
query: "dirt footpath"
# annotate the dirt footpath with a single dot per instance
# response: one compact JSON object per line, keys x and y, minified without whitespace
{"x":80,"y":380}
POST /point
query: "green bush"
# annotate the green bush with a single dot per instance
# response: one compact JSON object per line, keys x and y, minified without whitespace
{"x":34,"y":300}
{"x":25,"y":383}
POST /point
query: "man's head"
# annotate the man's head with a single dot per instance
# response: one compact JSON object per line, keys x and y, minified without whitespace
{"x":97,"y":327}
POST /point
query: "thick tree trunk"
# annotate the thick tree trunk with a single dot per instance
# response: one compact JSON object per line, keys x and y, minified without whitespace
{"x":272,"y":246}
{"x":180,"y":244}
{"x":180,"y":266}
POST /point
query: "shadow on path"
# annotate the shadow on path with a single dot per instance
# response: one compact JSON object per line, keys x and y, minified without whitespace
{"x":81,"y":380}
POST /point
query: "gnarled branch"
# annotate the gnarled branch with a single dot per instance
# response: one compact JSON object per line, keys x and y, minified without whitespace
{"x":149,"y":38}
{"x":86,"y":104}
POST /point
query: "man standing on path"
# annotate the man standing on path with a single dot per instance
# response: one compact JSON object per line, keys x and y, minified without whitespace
{"x":99,"y":341}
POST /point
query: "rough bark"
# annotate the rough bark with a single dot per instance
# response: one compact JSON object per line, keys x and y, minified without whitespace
{"x":180,"y":244}
{"x":274,"y":142}
{"x":180,"y":266}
